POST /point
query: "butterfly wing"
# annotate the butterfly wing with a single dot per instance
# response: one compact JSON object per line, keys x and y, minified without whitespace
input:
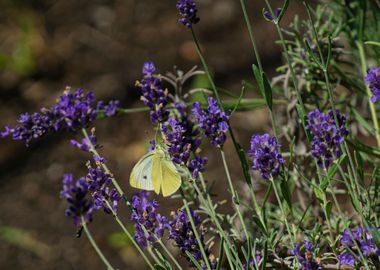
{"x":165,"y":177}
{"x":141,"y":175}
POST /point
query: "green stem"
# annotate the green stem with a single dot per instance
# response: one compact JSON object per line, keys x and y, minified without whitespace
{"x":106,"y":170}
{"x":212,"y":214}
{"x":195,"y":231}
{"x":348,"y":229}
{"x":169,"y":254}
{"x":130,"y":237}
{"x":115,"y":183}
{"x":250,"y":32}
{"x":257,"y":55}
{"x":205,"y":66}
{"x":95,"y":246}
{"x":234,"y":194}
{"x":287,"y":57}
{"x":292,"y":237}
{"x":369,"y":94}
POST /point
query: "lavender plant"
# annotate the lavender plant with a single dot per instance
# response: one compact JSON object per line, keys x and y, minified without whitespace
{"x":319,"y":162}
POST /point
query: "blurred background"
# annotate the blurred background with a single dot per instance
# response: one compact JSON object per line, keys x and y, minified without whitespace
{"x":100,"y":45}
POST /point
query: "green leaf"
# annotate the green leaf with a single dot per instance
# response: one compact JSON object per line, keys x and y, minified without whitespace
{"x":286,"y":193}
{"x":264,"y":85}
{"x":372,"y":43}
{"x":328,"y":208}
{"x":159,"y":267}
{"x":363,"y":122}
{"x":267,"y":88}
{"x":265,"y":256}
{"x":259,"y":224}
{"x":328,"y":52}
{"x":283,"y":10}
{"x":221,"y":253}
{"x":302,"y":114}
{"x":365,"y":148}
{"x":259,"y":78}
{"x":319,"y":194}
{"x":239,"y":99}
{"x":244,"y":163}
{"x":331,"y":172}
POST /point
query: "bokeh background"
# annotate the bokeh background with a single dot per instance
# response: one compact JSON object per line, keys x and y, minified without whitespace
{"x":100,"y":45}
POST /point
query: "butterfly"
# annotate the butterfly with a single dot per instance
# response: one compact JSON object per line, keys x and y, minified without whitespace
{"x":156,"y":171}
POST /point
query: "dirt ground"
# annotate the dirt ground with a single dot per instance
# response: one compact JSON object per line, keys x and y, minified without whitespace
{"x":101,"y":45}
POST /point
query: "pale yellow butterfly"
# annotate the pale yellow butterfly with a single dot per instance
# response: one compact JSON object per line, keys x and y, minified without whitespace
{"x":155,"y":171}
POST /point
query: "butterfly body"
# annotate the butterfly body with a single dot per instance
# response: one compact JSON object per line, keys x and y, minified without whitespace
{"x":156,"y":171}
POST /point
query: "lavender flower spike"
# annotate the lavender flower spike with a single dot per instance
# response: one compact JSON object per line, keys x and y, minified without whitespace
{"x":266,"y":158}
{"x":145,"y":215}
{"x":373,"y":81}
{"x":305,"y":258}
{"x":72,"y":111}
{"x":214,"y":121}
{"x":327,"y":137}
{"x":153,"y":95}
{"x":182,"y":233}
{"x":77,"y":195}
{"x":188,"y":11}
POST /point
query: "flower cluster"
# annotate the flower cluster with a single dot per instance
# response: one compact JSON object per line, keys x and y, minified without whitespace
{"x":214,"y":121}
{"x":373,"y":81}
{"x":305,"y":258}
{"x":188,"y":11}
{"x":149,"y":225}
{"x":182,"y":139}
{"x":153,"y":95}
{"x":104,"y":196}
{"x":89,"y":193}
{"x":357,"y":238}
{"x":327,"y":136}
{"x":182,"y":233}
{"x":77,"y":195}
{"x":71,"y":112}
{"x":266,"y":158}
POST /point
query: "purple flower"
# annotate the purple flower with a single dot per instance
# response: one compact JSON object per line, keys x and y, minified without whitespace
{"x":86,"y":144}
{"x":71,"y":112}
{"x":145,"y":215}
{"x":152,"y":145}
{"x":178,"y":146}
{"x":252,"y":263}
{"x":196,"y":165}
{"x":153,"y":95}
{"x":266,"y":158}
{"x":111,"y":108}
{"x":361,"y":238}
{"x":77,"y":195}
{"x":182,"y":233}
{"x":305,"y":258}
{"x":188,"y":11}
{"x":347,"y":259}
{"x":104,"y":196}
{"x":327,"y":137}
{"x":373,"y":81}
{"x":182,"y":139}
{"x":346,"y":238}
{"x":268,"y":15}
{"x":214,"y":121}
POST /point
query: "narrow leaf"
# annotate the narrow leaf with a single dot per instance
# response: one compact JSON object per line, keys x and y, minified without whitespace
{"x":283,"y":10}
